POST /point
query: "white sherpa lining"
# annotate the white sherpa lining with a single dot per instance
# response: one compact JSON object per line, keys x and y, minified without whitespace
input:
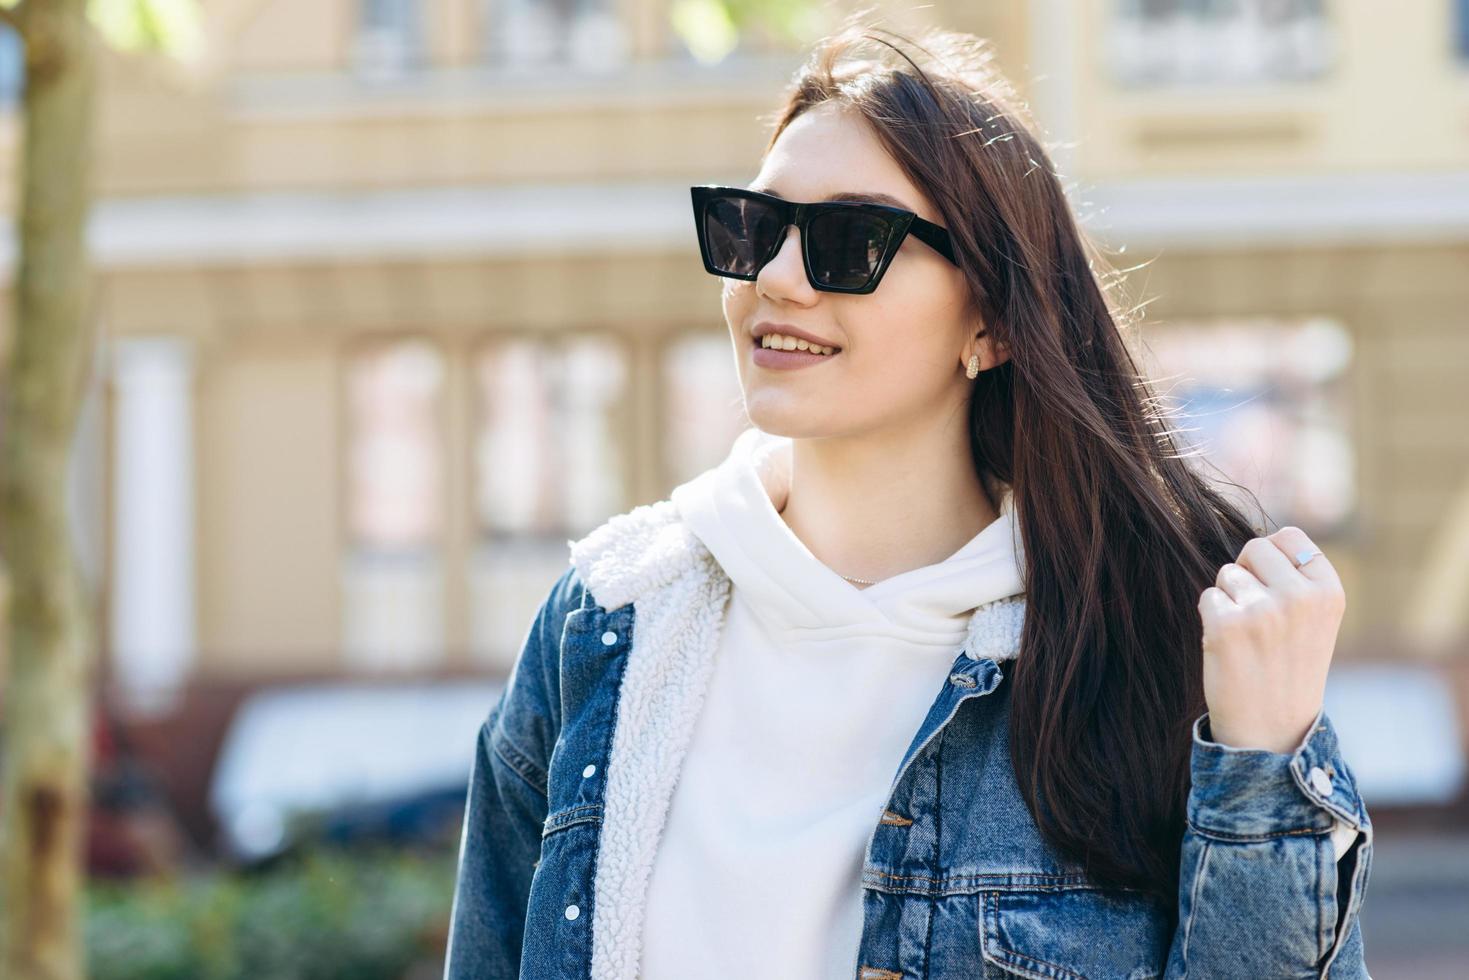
{"x":650,"y":557}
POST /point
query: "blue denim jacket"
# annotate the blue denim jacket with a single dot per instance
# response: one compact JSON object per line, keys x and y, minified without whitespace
{"x":577,"y":760}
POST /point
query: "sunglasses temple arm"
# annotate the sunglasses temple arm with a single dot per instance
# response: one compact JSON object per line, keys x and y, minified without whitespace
{"x":934,"y":237}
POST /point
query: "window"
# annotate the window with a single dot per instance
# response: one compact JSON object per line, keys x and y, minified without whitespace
{"x":549,"y":462}
{"x":530,"y":33}
{"x":389,"y":37}
{"x":1267,"y":402}
{"x":548,"y":452}
{"x":393,"y":593}
{"x":704,"y":408}
{"x":1185,"y":42}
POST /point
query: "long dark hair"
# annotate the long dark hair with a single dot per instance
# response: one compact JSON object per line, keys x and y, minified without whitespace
{"x":1120,"y":534}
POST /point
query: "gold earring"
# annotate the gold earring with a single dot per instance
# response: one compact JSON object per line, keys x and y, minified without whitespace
{"x":971,"y":371}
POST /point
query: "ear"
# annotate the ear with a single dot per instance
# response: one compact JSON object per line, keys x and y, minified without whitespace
{"x":991,"y":354}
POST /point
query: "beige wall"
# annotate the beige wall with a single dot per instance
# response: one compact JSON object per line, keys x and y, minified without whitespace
{"x":272,"y":342}
{"x":269,"y":496}
{"x":1395,"y":98}
{"x":280,"y":35}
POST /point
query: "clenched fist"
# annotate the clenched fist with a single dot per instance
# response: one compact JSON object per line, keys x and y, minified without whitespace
{"x":1269,"y":632}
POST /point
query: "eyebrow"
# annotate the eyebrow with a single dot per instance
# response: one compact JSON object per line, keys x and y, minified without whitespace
{"x":866,"y":197}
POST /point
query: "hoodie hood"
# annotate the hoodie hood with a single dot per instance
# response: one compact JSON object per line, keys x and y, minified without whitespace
{"x":733,"y":509}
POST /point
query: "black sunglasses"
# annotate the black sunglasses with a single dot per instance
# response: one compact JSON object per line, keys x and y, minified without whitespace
{"x":846,"y":246}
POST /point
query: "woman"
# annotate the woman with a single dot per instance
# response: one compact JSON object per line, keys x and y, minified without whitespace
{"x":721,"y":752}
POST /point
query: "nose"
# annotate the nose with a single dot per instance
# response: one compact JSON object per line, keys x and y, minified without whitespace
{"x":786,"y":270}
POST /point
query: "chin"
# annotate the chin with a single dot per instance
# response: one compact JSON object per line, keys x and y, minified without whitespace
{"x":789,"y":420}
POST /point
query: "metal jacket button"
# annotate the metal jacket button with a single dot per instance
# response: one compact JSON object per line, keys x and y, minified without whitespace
{"x":1320,"y":781}
{"x":585,"y":773}
{"x":572,"y":911}
{"x":609,"y":638}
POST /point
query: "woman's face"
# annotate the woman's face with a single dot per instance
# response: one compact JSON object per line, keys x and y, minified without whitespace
{"x":902,"y":346}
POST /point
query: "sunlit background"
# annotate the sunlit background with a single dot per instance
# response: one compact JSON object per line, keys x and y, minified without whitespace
{"x":397,"y":297}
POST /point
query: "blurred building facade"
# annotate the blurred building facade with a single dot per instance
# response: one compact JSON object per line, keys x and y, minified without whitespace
{"x":399,"y":296}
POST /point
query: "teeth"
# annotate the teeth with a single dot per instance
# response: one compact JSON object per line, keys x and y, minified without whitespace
{"x":782,"y":342}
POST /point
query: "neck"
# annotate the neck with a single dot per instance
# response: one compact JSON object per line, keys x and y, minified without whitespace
{"x":876,"y":504}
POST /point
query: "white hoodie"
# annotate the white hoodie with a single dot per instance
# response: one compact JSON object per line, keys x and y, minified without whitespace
{"x":818,"y":686}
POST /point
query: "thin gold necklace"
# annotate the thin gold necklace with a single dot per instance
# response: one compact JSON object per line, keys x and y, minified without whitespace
{"x":859,"y":581}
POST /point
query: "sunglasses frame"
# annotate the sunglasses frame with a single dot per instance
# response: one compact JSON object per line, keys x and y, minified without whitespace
{"x":900,"y":223}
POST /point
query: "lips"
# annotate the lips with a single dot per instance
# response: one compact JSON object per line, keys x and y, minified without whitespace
{"x":779,"y":359}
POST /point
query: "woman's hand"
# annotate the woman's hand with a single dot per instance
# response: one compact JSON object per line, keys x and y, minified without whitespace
{"x":1269,"y":632}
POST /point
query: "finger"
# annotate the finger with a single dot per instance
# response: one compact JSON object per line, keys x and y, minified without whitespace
{"x":1269,"y":563}
{"x":1291,"y":541}
{"x":1239,"y":583}
{"x":1214,"y":602}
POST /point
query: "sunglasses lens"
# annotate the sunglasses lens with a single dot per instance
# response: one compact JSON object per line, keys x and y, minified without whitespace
{"x":846,"y":247}
{"x":739,"y":234}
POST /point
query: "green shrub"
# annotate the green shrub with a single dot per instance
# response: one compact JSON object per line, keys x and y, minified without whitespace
{"x":329,"y":914}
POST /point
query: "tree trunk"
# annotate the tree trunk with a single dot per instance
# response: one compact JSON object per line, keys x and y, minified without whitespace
{"x":48,"y":696}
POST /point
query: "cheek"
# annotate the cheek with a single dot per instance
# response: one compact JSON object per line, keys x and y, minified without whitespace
{"x":929,"y":319}
{"x":904,"y":356}
{"x":911,"y":331}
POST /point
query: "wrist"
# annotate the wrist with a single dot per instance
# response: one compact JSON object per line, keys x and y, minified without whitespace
{"x":1277,"y":739}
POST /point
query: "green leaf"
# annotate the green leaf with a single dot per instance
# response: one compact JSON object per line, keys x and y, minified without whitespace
{"x":711,"y":28}
{"x":706,"y":27}
{"x":168,"y":26}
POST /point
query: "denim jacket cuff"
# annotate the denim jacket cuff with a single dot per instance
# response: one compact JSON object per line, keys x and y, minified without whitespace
{"x":1254,"y":794}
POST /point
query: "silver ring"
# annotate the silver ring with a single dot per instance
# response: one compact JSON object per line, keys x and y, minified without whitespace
{"x":1304,"y":556}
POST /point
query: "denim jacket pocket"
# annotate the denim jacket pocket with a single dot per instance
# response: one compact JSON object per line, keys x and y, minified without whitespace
{"x":568,"y":836}
{"x":571,"y":816}
{"x":1078,"y":933}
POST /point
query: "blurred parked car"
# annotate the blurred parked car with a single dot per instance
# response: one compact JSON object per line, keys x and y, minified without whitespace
{"x":1401,"y":731}
{"x":346,"y":762}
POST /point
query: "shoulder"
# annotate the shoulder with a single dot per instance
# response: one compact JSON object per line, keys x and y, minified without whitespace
{"x":625,"y":557}
{"x":630,"y":556}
